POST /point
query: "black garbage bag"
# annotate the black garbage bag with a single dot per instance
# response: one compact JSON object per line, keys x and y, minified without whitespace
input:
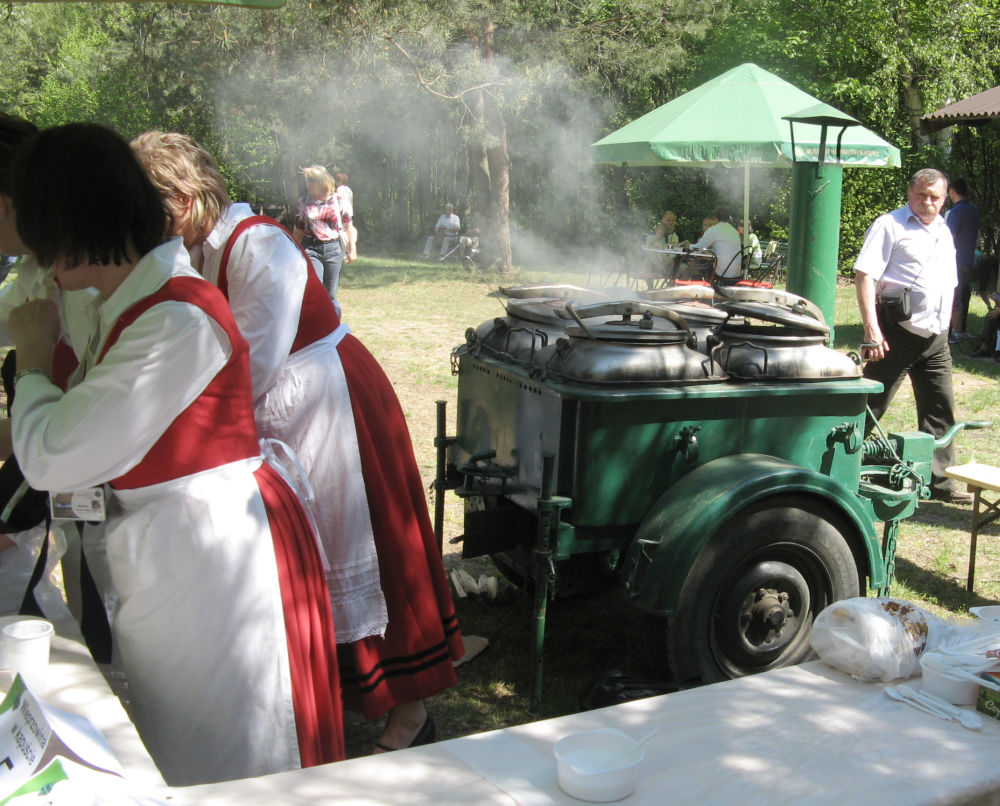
{"x":615,"y":687}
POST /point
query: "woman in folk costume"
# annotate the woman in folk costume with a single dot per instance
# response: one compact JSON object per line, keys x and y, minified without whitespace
{"x":222,"y":621}
{"x":320,"y":391}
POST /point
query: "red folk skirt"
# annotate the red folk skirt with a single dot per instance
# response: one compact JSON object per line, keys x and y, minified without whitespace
{"x":414,"y":658}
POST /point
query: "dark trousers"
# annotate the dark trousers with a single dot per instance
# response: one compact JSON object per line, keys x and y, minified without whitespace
{"x":963,"y":294}
{"x":989,"y":337}
{"x":927,"y":361}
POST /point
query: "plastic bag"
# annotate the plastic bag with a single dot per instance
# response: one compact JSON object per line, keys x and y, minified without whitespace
{"x":877,"y":639}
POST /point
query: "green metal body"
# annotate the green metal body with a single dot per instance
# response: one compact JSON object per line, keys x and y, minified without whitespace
{"x":814,"y":237}
{"x":681,"y":522}
{"x":582,"y":487}
{"x":619,"y":453}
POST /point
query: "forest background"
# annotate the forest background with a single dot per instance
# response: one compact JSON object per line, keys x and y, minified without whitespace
{"x":493,"y":105}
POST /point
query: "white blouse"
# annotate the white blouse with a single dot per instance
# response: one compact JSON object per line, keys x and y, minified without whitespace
{"x":115,"y":411}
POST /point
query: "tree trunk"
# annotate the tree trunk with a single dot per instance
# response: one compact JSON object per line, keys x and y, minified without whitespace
{"x":499,"y":162}
{"x":914,"y":105}
{"x":489,"y":166}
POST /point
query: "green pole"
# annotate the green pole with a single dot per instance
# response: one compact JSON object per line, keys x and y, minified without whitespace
{"x":814,"y":234}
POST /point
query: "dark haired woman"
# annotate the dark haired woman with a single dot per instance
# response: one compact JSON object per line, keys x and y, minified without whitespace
{"x":222,"y":621}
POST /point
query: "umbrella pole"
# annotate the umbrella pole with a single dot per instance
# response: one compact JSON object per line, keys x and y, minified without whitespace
{"x":746,"y":207}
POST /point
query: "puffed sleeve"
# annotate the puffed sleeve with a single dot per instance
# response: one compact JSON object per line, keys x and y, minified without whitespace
{"x":267,"y":280}
{"x":105,"y":425}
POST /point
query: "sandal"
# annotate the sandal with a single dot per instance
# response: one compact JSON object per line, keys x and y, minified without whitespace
{"x":426,"y":735}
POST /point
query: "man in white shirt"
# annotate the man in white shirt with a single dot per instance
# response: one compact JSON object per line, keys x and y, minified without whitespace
{"x":910,"y":252}
{"x":722,"y":239}
{"x":445,"y":237}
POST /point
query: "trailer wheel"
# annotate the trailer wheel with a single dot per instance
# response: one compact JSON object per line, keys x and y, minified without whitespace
{"x":749,"y":602}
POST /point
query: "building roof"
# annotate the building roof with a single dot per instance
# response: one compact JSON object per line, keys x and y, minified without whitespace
{"x":979,"y":108}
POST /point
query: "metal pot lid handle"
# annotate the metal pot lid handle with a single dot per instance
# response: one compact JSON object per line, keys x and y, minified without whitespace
{"x":772,"y":296}
{"x":680,"y":293}
{"x":624,"y":308}
{"x":550,"y":292}
{"x":778,"y":315}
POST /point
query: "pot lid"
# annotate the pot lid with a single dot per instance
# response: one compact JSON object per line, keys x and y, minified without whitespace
{"x":559,"y":291}
{"x":777,"y":315}
{"x":635,"y":331}
{"x":638,"y":322}
{"x":539,"y":311}
{"x":698,"y":311}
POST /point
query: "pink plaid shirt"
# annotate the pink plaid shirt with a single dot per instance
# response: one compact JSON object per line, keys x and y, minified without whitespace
{"x":321,"y":220}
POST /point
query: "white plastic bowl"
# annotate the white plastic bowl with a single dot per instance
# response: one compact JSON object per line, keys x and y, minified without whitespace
{"x":987,"y":613}
{"x":938,"y":680}
{"x":598,"y":765}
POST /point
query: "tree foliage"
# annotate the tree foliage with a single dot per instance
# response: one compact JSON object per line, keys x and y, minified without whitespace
{"x":492,"y":105}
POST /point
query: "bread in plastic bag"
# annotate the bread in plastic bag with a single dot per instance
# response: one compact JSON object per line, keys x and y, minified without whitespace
{"x":877,"y":639}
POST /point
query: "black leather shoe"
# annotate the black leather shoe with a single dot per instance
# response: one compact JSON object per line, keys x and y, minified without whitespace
{"x":953,"y":496}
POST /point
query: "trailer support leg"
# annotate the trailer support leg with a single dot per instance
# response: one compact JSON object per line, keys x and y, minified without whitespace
{"x":546,"y":548}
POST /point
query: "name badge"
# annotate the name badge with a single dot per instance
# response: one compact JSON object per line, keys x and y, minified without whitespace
{"x":78,"y":505}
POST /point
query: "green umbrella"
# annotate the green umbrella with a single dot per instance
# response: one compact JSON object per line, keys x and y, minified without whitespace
{"x":741,"y":118}
{"x":735,"y":119}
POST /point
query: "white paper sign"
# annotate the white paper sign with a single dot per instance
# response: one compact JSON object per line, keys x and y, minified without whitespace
{"x":33,"y":733}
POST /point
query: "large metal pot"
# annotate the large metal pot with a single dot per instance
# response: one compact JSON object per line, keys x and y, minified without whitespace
{"x":533,"y":321}
{"x":703,"y":320}
{"x":791,"y":346}
{"x":647,"y":345}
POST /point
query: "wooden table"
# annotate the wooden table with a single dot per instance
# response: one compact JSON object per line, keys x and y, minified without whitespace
{"x":979,"y":478}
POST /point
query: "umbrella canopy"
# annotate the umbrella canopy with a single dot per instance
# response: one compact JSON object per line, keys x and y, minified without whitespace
{"x":980,"y":108}
{"x":736,"y":119}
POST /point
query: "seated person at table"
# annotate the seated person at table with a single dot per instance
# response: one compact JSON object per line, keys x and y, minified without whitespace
{"x":721,"y":238}
{"x":468,"y":244}
{"x":663,"y":236}
{"x":445,"y":236}
{"x":222,"y":620}
{"x":751,"y":245}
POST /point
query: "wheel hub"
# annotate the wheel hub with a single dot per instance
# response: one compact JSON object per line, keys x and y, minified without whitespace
{"x":762,"y":612}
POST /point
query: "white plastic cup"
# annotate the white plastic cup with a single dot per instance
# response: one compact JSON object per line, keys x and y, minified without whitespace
{"x":27,"y":645}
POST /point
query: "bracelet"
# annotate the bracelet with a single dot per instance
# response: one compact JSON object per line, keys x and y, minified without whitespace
{"x":32,"y":371}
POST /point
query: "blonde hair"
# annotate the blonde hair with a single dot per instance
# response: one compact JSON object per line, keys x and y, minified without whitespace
{"x":184,"y":171}
{"x":320,"y":175}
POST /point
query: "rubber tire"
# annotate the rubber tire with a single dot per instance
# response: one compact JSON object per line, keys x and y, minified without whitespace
{"x":798,"y":540}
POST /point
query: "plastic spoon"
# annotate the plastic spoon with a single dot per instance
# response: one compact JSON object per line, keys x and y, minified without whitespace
{"x":966,"y":718}
{"x":892,"y":693}
{"x":611,"y":762}
{"x":969,"y":719}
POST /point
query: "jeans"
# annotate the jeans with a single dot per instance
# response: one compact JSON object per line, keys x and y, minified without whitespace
{"x":927,"y":362}
{"x":327,"y":258}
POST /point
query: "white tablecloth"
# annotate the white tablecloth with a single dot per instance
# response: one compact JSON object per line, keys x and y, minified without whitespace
{"x":807,"y":735}
{"x":804,"y":735}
